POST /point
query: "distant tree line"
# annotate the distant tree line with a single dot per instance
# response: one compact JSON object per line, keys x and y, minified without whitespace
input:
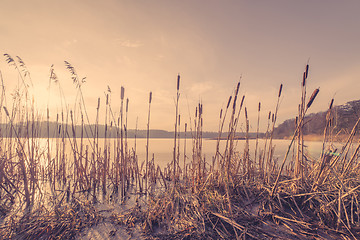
{"x":342,"y":119}
{"x":43,"y":129}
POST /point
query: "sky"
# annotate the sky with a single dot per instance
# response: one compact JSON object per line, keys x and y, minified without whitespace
{"x":143,"y":45}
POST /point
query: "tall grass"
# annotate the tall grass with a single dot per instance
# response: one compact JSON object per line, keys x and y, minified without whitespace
{"x":233,"y":195}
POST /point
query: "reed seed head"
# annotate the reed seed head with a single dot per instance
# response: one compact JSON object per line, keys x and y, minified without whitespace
{"x":331,"y":103}
{"x":122,"y":93}
{"x":280,"y":90}
{"x":178,"y":82}
{"x":150,"y":97}
{"x":259,"y":107}
{"x":304,"y":79}
{"x":312,"y":98}
{"x":237,"y":88}
{"x":234,"y":103}
{"x":228,"y":104}
{"x":21,"y":62}
{"x":9,"y":59}
{"x":242,"y":101}
{"x":307,"y":70}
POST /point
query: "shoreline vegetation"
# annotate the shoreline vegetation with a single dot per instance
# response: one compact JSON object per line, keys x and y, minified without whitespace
{"x":319,"y":138}
{"x":42,"y":129}
{"x":60,"y":191}
{"x":154,"y":133}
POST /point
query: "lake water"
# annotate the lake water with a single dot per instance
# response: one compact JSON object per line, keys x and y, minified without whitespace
{"x":163,"y":148}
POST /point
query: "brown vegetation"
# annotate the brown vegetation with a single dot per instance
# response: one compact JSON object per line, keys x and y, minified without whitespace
{"x":230,"y":196}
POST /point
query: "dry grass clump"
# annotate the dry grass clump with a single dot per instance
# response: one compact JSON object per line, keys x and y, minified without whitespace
{"x":129,"y":218}
{"x":4,"y":209}
{"x":62,"y":222}
{"x":243,"y":198}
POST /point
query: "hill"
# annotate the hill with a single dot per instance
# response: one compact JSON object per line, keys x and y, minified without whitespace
{"x":343,"y":119}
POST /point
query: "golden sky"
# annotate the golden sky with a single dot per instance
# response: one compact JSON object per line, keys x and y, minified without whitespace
{"x":143,"y":45}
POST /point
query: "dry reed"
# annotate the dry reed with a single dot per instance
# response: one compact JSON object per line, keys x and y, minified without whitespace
{"x":232,"y":196}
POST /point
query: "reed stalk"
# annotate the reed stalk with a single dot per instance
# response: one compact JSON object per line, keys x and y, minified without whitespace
{"x":257,"y":138}
{"x":22,"y":157}
{"x":122,"y":158}
{"x":311,"y":100}
{"x":147,"y":145}
{"x":270,"y":151}
{"x":176,"y":125}
{"x":184,"y":168}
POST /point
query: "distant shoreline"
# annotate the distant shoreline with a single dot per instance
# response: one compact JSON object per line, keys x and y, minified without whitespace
{"x":315,"y":137}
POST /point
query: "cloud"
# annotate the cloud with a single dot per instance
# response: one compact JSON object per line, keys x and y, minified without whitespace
{"x":200,"y":88}
{"x":68,"y":43}
{"x":130,"y":44}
